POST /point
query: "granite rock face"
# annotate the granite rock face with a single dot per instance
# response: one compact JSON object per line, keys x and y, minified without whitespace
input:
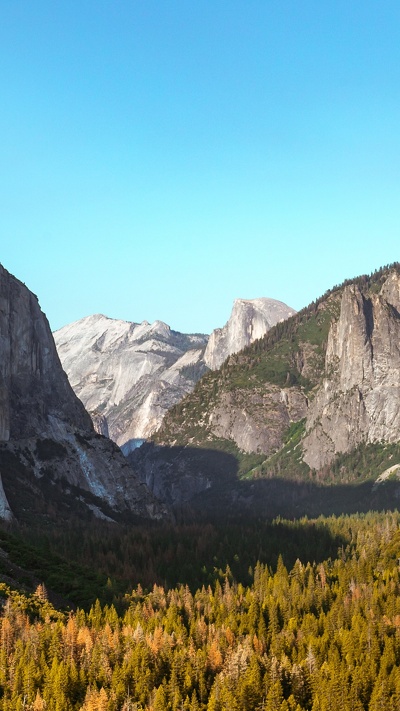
{"x":44,"y":428}
{"x":256,"y":421}
{"x":127,"y":374}
{"x":34,"y":391}
{"x":318,"y":385}
{"x":250,"y":319}
{"x":359,"y":399}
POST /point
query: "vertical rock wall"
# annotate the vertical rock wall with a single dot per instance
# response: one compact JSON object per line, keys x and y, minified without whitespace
{"x":33,"y":385}
{"x":359,"y":400}
{"x":44,"y":427}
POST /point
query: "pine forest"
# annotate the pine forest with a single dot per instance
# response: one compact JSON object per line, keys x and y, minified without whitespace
{"x":309,"y":636}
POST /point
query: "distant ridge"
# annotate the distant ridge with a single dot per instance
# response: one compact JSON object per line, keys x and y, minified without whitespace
{"x":250,"y":319}
{"x":129,"y":375}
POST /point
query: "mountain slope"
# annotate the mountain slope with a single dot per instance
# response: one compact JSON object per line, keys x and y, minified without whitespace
{"x":332,"y":370}
{"x":128,"y":375}
{"x":47,"y":440}
{"x":360,"y":396}
{"x":255,"y":395}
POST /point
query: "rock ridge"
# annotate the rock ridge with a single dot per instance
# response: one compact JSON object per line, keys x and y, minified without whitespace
{"x":359,"y":400}
{"x":129,"y":375}
{"x":46,"y":436}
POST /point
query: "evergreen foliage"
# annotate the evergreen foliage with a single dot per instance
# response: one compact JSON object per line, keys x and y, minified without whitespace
{"x":364,"y":463}
{"x":317,"y":635}
{"x":194,"y":554}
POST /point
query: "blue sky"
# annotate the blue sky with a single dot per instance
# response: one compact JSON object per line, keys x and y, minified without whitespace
{"x":160,"y":159}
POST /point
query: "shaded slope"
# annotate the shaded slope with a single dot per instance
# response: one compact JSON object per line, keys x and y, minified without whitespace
{"x":45,"y":433}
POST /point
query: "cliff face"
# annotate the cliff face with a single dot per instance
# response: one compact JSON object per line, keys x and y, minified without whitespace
{"x":254,"y":420}
{"x":250,"y":319}
{"x":359,"y":399}
{"x":45,"y":432}
{"x":34,"y":391}
{"x":257,"y":420}
{"x":128,"y":375}
{"x":317,"y":385}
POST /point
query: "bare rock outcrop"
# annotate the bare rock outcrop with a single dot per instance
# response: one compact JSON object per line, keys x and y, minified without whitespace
{"x":44,"y":428}
{"x":33,"y":386}
{"x":127,"y":374}
{"x":250,"y":319}
{"x":359,"y":398}
{"x":257,"y":420}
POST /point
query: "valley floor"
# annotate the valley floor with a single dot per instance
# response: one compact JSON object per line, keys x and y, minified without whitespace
{"x":318,"y":633}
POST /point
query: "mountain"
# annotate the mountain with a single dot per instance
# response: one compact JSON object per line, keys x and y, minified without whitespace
{"x":316,"y":399}
{"x":49,"y":452}
{"x":250,"y":319}
{"x":359,"y":399}
{"x":129,"y":375}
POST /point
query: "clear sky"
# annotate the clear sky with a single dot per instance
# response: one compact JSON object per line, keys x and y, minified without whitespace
{"x":161,"y":158}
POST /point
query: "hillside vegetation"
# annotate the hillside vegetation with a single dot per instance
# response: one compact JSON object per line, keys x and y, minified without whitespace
{"x":310,"y":636}
{"x":289,"y":358}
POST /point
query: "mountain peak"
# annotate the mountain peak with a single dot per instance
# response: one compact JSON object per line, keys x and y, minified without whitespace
{"x":250,"y":319}
{"x":129,"y":374}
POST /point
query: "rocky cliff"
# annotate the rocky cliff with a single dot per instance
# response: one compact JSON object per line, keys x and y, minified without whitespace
{"x":46,"y":436}
{"x":313,"y":391}
{"x":336,"y":364}
{"x":250,"y":319}
{"x":257,"y":393}
{"x":359,"y":398}
{"x":127,"y":374}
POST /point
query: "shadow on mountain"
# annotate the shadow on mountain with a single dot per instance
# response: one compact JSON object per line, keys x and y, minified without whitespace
{"x":177,"y":475}
{"x":48,"y":498}
{"x":294,"y":499}
{"x":203,"y":483}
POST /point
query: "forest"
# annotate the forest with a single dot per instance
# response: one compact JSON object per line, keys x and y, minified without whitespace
{"x":309,"y":634}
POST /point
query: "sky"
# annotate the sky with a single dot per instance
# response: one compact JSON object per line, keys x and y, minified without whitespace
{"x":159,"y":159}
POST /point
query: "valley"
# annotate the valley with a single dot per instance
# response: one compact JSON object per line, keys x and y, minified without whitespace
{"x":295,"y":634}
{"x":245,"y":556}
